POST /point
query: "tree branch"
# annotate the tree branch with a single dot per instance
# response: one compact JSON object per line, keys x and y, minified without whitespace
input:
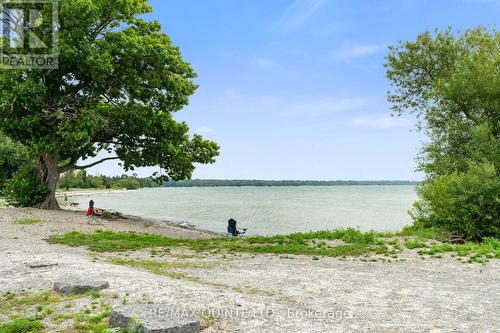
{"x":81,"y":167}
{"x":104,"y":23}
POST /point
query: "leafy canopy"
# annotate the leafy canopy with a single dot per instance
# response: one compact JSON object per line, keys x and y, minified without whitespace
{"x":451,"y":82}
{"x":118,"y":83}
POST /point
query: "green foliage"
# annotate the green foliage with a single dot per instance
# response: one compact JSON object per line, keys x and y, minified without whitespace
{"x":451,"y":83}
{"x":475,"y":252}
{"x":88,"y":322}
{"x":119,"y":81}
{"x":24,"y":189}
{"x":22,"y":325}
{"x":466,"y":203}
{"x":423,"y":233}
{"x":12,"y":157}
{"x":53,"y":309}
{"x":447,"y":80}
{"x":128,"y":183}
{"x":414,"y":244}
{"x":83,"y":180}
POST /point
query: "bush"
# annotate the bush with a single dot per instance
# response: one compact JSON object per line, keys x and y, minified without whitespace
{"x":24,"y":189}
{"x":464,"y":203}
{"x":12,"y":156}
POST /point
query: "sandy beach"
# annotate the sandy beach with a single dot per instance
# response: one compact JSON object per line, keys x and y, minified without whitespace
{"x":87,"y":192}
{"x":259,"y":293}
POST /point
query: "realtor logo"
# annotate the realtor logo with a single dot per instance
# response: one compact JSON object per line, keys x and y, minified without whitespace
{"x":28,"y":34}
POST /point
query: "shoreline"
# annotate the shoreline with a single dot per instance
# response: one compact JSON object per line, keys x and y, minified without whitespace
{"x":144,"y":223}
{"x":132,"y":218}
{"x":87,"y":192}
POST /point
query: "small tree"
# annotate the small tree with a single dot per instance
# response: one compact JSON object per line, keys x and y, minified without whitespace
{"x":118,"y":83}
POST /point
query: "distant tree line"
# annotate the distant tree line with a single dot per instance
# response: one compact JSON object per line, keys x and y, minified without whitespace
{"x":81,"y":179}
{"x":254,"y":182}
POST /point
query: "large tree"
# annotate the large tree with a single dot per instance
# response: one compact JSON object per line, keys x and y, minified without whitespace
{"x":451,"y":82}
{"x":118,"y":83}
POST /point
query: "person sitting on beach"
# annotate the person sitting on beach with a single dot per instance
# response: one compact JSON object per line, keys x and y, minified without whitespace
{"x":90,"y":211}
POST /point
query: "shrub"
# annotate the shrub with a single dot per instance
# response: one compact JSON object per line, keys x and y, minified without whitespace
{"x":12,"y":156}
{"x":464,"y":203}
{"x":24,"y":189}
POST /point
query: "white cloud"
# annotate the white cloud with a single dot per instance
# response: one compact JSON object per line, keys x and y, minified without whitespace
{"x":297,"y":14}
{"x":204,"y":130}
{"x":325,"y":105}
{"x":383,"y":122}
{"x":353,"y":51}
{"x":264,"y":62}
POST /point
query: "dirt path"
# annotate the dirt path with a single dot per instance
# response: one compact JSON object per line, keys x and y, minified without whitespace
{"x":266,"y":293}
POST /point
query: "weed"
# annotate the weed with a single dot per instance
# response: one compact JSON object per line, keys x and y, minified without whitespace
{"x":28,"y":220}
{"x":207,"y":319}
{"x":95,"y":294}
{"x":22,"y":325}
{"x":414,"y":244}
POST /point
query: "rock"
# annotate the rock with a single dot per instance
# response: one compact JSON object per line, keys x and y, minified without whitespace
{"x":41,"y":264}
{"x":154,"y":318}
{"x":79,"y":286}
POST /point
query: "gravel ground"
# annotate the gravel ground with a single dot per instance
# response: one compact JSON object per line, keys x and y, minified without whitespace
{"x":265,"y":293}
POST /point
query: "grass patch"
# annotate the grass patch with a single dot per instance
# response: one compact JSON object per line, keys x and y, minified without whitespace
{"x":170,"y":269}
{"x":24,"y":301}
{"x":471,"y":252}
{"x":414,"y":244}
{"x":313,"y":243}
{"x":26,"y":310}
{"x":28,"y":220}
{"x":422,"y":233}
{"x":22,"y":325}
{"x":85,"y":321}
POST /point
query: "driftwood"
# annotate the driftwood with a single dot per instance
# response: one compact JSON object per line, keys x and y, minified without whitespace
{"x":112,"y":216}
{"x":453,"y":237}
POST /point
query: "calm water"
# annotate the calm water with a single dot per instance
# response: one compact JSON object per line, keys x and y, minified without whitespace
{"x":269,"y":210}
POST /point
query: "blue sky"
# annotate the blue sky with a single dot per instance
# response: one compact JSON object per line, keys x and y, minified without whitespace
{"x":297,"y":89}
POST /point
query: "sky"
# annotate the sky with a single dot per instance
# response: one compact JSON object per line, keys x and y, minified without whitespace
{"x":297,"y":89}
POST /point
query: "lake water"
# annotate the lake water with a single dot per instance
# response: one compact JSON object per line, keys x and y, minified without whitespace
{"x":269,"y":210}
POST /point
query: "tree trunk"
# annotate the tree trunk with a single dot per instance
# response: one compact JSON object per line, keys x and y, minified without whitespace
{"x":48,"y":170}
